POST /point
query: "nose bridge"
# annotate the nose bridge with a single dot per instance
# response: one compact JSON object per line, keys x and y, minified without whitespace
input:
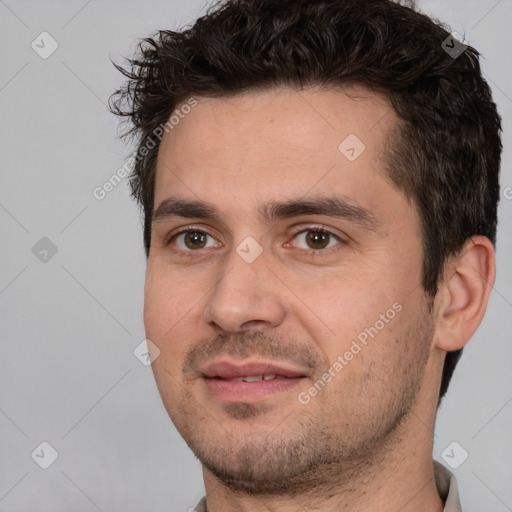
{"x":246,"y":292}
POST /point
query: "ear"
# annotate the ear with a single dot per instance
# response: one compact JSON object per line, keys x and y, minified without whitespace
{"x":464,"y":293}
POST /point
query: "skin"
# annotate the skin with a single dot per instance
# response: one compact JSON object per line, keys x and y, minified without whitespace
{"x":364,"y":441}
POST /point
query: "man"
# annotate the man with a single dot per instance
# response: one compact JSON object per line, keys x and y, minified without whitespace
{"x":320,"y":182}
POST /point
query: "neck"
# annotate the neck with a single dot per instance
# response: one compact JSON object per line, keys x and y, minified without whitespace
{"x":399,"y":476}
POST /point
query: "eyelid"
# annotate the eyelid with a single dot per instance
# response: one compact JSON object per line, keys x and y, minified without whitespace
{"x":317,"y":227}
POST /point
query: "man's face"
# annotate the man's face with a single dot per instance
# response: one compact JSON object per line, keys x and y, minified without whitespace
{"x":251,"y":289}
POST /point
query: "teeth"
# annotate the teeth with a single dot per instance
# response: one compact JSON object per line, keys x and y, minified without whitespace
{"x":252,"y":378}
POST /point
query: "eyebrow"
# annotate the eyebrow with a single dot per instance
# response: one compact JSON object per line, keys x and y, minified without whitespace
{"x":272,"y":211}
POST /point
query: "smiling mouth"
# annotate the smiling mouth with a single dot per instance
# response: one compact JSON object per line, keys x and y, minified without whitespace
{"x":231,"y":381}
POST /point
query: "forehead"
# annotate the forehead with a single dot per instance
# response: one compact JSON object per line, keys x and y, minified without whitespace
{"x":279,"y":142}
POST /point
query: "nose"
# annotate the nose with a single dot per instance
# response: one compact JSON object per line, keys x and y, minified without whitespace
{"x":247,"y":296}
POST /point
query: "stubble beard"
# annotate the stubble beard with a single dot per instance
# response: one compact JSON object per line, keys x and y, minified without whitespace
{"x":321,"y":451}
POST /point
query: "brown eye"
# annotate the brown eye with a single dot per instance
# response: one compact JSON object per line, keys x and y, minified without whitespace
{"x":317,"y":239}
{"x":193,"y":239}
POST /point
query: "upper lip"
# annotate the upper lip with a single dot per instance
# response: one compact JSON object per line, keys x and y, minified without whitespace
{"x":225,"y":369}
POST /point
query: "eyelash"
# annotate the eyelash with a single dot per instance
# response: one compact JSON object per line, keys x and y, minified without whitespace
{"x":314,"y":253}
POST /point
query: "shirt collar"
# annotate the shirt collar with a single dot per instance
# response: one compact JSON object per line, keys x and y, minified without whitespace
{"x":447,"y":488}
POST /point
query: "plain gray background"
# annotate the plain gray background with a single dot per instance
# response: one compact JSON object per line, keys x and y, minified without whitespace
{"x":68,"y":375}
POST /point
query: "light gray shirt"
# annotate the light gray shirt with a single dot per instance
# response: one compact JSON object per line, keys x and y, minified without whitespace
{"x":445,"y":482}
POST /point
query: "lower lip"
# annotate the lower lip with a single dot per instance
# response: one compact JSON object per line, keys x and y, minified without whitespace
{"x":249,"y":391}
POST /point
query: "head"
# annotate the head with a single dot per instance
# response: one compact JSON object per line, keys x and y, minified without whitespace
{"x":266,"y":98}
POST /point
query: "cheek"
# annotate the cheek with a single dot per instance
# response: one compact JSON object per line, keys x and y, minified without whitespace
{"x":168,"y":311}
{"x":157,"y":301}
{"x":166,"y":297}
{"x":348,"y":307}
{"x":340,"y":300}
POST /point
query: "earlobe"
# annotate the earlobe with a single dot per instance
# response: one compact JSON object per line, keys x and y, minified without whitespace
{"x":468,"y":280}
